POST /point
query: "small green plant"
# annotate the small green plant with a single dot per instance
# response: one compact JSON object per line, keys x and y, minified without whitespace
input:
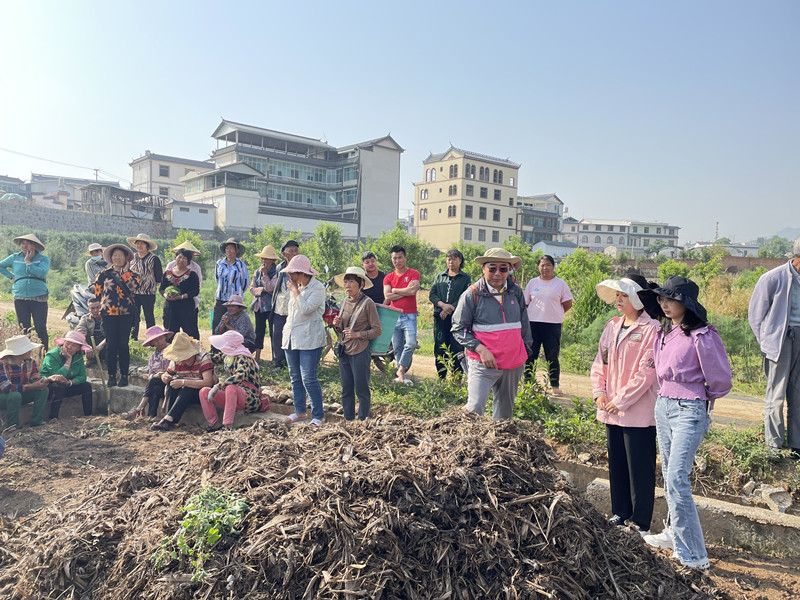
{"x":533,"y":401}
{"x":576,"y":426}
{"x":749,"y":454}
{"x":207,"y":517}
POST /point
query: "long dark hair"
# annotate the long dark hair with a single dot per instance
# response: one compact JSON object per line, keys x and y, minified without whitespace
{"x":689,"y":323}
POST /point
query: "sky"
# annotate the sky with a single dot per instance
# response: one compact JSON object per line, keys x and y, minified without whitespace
{"x":679,"y":111}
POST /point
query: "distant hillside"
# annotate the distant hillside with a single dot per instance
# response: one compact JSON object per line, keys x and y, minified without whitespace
{"x":789,"y":232}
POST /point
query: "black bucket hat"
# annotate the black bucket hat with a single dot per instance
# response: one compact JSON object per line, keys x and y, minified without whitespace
{"x":650,"y":300}
{"x":680,"y":289}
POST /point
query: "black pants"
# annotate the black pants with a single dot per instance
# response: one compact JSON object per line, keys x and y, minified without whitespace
{"x":154,"y":392}
{"x":26,"y":309}
{"x":276,"y":339}
{"x":179,"y":399}
{"x":549,"y":336}
{"x":445,"y":347}
{"x":219,"y":310}
{"x":181,"y":316}
{"x":354,"y":372}
{"x":262,"y":319}
{"x":632,"y":472}
{"x":118,"y":330}
{"x":59,"y":391}
{"x":147,"y":303}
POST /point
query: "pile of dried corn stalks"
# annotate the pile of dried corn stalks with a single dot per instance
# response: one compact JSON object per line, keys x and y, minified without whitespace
{"x":451,"y":508}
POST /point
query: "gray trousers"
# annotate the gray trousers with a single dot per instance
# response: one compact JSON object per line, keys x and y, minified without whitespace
{"x":783,"y":382}
{"x":503,"y":384}
{"x":354,"y":371}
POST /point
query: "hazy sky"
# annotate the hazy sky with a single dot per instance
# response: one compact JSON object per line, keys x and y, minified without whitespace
{"x":682,"y":111}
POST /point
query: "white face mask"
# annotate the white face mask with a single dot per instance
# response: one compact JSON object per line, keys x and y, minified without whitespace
{"x":98,"y":257}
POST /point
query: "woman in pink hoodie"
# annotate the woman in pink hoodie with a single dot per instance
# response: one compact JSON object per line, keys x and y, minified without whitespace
{"x":624,"y":389}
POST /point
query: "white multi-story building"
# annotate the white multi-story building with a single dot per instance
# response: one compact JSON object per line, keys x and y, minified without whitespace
{"x":599,"y":235}
{"x":160,"y":175}
{"x":261,"y":177}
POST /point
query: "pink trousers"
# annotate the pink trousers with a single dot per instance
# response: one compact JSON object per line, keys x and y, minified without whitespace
{"x":232,"y":398}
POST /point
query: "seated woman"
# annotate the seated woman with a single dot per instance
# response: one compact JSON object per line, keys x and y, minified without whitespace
{"x":189,"y":371}
{"x":241,"y":390}
{"x":64,"y":367}
{"x":20,"y":381}
{"x":235,"y":319}
{"x":180,"y":310}
{"x":156,"y":367}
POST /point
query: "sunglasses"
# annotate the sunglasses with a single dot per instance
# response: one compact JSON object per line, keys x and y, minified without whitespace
{"x":501,"y":269}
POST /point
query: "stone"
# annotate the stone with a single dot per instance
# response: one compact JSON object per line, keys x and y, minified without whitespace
{"x":748,"y":488}
{"x":567,"y":476}
{"x":584,"y":457}
{"x":778,"y":499}
{"x":701,"y":463}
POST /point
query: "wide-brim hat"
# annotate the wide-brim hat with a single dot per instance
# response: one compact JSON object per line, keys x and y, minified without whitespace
{"x":92,"y":248}
{"x":142,"y":237}
{"x":288,"y":243}
{"x":18,"y":345}
{"x":608,"y":288}
{"x":182,"y":348}
{"x":359,"y":272}
{"x":239,"y":247}
{"x":499,"y":255}
{"x":110,"y":250}
{"x":268,"y":252}
{"x":300,"y":264}
{"x":187,"y":245}
{"x":682,"y":290}
{"x":230,"y":343}
{"x":235,"y":300}
{"x":154,"y":333}
{"x":31,"y":238}
{"x":76,"y":337}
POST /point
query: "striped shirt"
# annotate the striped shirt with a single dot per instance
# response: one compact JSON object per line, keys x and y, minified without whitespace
{"x":181,"y":370}
{"x":231,"y":279}
{"x":150,"y":270}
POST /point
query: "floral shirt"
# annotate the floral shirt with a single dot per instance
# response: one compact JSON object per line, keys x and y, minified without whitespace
{"x":115,"y":291}
{"x":157,"y":363}
{"x":242,"y":371}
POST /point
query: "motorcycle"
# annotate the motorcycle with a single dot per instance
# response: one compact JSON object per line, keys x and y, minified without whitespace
{"x":79,"y":306}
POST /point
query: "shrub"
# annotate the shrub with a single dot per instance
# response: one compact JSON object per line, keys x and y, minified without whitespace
{"x":748,"y":279}
{"x":672,"y":268}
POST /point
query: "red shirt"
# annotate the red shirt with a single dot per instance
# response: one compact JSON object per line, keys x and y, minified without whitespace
{"x":408,"y":304}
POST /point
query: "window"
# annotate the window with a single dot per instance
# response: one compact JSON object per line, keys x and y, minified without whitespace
{"x":452,"y":190}
{"x":645,"y":242}
{"x":658,"y":230}
{"x":423,"y":194}
{"x":484,"y":192}
{"x":635,"y":229}
{"x":585,"y":239}
{"x":597,"y":239}
{"x":455,"y":170}
{"x":482,"y":213}
{"x":610,"y":240}
{"x":495,"y":236}
{"x":184,"y":209}
{"x":586,"y":228}
{"x":621,"y":241}
{"x":467,"y":233}
{"x":163,"y":191}
{"x":510,"y":222}
{"x":203,"y":211}
{"x":451,"y":210}
{"x":511,"y":181}
{"x":496,"y":215}
{"x":494,"y":176}
{"x":163,"y":170}
{"x":598,"y":228}
{"x":423,"y":214}
{"x":480,"y":174}
{"x":433,"y":174}
{"x":481,"y":235}
{"x":468,"y":211}
{"x":511,"y":202}
{"x":611,"y":228}
{"x":647,"y":230}
{"x":500,"y":177}
{"x":427,"y":175}
{"x":469,"y":190}
{"x":497,"y":194}
{"x":572,"y":228}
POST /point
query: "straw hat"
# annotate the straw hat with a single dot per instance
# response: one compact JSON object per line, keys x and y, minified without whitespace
{"x":182,"y":348}
{"x":359,"y":272}
{"x":142,"y":237}
{"x":300,"y":264}
{"x":31,"y":238}
{"x":268,"y":252}
{"x":110,"y":250}
{"x":187,"y":245}
{"x":230,"y":343}
{"x":18,"y":345}
{"x":608,"y":288}
{"x":239,"y":247}
{"x":76,"y":337}
{"x":92,"y":248}
{"x":235,"y":300}
{"x":497,"y":255}
{"x":155,"y":332}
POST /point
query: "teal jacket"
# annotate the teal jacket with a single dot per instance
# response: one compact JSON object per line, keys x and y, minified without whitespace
{"x":29,"y":280}
{"x":53,"y":364}
{"x":448,"y":289}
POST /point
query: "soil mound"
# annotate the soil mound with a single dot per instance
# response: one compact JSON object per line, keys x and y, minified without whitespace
{"x":454,"y":507}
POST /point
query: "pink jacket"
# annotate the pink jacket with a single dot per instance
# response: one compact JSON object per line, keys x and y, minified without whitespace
{"x":625,"y":373}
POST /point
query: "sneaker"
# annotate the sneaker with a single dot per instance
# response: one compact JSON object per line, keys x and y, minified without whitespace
{"x":639,"y":530}
{"x":616,"y":521}
{"x":702,"y":564}
{"x":661,"y":540}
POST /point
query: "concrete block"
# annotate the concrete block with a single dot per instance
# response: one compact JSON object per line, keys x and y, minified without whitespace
{"x":778,"y":499}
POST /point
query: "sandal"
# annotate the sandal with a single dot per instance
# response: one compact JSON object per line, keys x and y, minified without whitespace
{"x":163,"y":425}
{"x":294,"y":418}
{"x":215,"y":427}
{"x":317,"y":421}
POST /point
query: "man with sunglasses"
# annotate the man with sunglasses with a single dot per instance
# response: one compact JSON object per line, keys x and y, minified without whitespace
{"x":491,"y":323}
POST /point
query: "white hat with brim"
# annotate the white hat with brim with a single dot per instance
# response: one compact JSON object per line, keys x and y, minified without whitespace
{"x":18,"y":345}
{"x":496,"y":255}
{"x":92,"y":248}
{"x":182,"y":348}
{"x":608,"y":288}
{"x":110,"y":250}
{"x":142,"y":237}
{"x":31,"y":238}
{"x":358,"y":272}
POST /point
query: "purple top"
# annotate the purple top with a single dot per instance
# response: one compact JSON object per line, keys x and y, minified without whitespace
{"x":157,"y":363}
{"x":690,"y":367}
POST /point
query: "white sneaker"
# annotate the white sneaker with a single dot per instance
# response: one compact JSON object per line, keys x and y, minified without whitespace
{"x":703,"y":564}
{"x":661,"y":540}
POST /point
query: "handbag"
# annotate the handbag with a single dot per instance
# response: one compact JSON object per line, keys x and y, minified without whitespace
{"x":338,"y":349}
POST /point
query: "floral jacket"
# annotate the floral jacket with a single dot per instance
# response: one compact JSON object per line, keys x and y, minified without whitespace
{"x":115,"y":292}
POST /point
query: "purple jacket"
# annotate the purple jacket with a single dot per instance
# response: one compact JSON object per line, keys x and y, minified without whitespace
{"x":769,"y":309}
{"x":690,"y":367}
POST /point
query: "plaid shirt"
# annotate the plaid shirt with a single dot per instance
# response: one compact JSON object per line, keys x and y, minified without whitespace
{"x":13,"y":377}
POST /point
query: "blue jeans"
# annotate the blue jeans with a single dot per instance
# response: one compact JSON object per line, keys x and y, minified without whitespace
{"x":303,"y":373}
{"x":681,"y":426}
{"x":404,"y":340}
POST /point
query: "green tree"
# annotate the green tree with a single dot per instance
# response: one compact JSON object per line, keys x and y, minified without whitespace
{"x":748,"y":279}
{"x":656,"y":247}
{"x":723,"y":241}
{"x":530,"y":259}
{"x":582,"y":271}
{"x":775,"y":247}
{"x":623,"y":257}
{"x":672,"y":268}
{"x":327,"y":249}
{"x":420,"y":255}
{"x":272,"y":235}
{"x":704,"y":271}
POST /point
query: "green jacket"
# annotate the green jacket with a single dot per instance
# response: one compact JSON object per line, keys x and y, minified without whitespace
{"x":439,"y":290}
{"x":53,"y":364}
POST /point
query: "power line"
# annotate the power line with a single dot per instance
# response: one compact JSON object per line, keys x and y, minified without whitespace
{"x":58,"y":162}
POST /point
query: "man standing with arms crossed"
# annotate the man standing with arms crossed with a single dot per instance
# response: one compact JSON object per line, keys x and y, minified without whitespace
{"x":400,"y":289}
